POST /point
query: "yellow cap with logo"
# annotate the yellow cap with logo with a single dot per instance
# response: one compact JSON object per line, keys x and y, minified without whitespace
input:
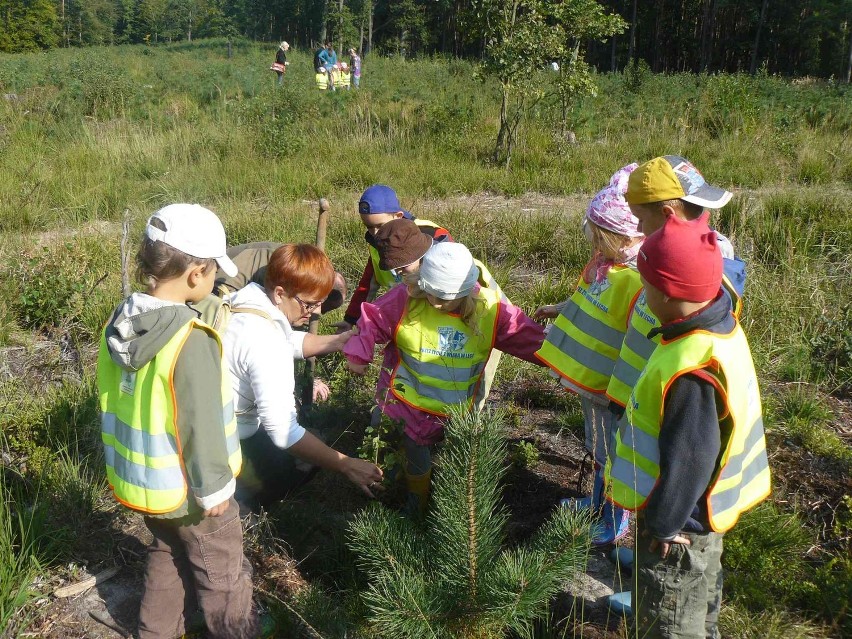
{"x":671,"y":177}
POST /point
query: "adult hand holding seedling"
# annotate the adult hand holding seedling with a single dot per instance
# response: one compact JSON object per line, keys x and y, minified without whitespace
{"x":548,"y":311}
{"x":364,"y":474}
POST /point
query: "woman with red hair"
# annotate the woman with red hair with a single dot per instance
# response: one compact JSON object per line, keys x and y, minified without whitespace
{"x":260,"y":345}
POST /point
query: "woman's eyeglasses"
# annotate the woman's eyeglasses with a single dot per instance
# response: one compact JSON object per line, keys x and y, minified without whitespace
{"x":307,"y":307}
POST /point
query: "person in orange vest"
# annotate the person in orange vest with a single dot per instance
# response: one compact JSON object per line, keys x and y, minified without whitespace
{"x":690,"y":455}
{"x":169,"y":431}
{"x":583,"y":343}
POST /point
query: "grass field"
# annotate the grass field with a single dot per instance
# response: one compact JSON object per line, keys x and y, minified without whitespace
{"x":88,"y":134}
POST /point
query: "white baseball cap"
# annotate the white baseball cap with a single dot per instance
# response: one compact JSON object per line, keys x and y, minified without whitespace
{"x":194,"y":230}
{"x":447,"y":271}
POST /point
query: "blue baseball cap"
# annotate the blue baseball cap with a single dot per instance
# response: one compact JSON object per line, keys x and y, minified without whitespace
{"x":379,"y":199}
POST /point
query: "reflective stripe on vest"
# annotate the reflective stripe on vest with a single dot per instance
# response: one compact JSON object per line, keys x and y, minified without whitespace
{"x":383,"y":277}
{"x":634,"y":352}
{"x":441,"y":359}
{"x":583,"y":344}
{"x":637,"y":348}
{"x":742,"y":479}
{"x":140,"y":429}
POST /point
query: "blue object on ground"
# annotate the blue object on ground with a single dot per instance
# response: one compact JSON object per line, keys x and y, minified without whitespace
{"x":622,"y":557}
{"x":619,"y":603}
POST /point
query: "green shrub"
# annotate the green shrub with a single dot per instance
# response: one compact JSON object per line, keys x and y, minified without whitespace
{"x":525,"y":455}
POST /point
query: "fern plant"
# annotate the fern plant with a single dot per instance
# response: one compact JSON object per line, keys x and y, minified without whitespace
{"x":452,"y":576}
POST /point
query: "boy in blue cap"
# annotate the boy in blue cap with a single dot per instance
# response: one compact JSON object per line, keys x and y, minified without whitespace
{"x":377,"y":206}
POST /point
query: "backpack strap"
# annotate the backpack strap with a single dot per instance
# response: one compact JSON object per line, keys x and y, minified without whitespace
{"x":253,"y":311}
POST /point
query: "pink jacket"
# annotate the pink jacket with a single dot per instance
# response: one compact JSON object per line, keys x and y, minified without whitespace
{"x":517,"y":335}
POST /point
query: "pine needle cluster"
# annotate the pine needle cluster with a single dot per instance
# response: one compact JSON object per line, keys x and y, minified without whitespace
{"x":452,"y":575}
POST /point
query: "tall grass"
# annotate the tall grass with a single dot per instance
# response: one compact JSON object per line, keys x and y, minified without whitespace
{"x":95,"y":131}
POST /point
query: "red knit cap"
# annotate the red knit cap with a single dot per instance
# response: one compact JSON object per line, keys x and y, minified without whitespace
{"x":683,"y":259}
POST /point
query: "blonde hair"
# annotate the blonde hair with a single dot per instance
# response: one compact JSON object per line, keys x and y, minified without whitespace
{"x":470,"y":310}
{"x":608,"y":243}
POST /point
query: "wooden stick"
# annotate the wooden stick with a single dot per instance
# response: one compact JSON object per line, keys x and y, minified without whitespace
{"x":125,"y":255}
{"x":82,"y":586}
{"x":313,"y":326}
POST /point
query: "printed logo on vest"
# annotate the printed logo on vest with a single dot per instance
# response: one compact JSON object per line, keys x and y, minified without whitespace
{"x":597,"y":288}
{"x":128,"y":382}
{"x":450,"y":339}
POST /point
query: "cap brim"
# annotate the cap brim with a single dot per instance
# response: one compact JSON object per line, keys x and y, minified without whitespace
{"x":710,"y":197}
{"x":227,"y":265}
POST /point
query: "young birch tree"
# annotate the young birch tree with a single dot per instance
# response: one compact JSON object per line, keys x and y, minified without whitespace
{"x":521,"y":39}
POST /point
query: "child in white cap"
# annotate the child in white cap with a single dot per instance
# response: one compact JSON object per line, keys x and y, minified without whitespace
{"x":583,"y":344}
{"x":170,"y":436}
{"x":440,"y":328}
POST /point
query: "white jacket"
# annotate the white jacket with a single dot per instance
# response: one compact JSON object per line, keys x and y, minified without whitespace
{"x":260,"y":357}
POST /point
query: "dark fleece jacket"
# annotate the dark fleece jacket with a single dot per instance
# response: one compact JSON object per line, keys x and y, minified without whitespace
{"x":690,"y":436}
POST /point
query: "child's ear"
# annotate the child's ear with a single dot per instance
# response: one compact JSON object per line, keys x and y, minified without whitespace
{"x":196,"y":274}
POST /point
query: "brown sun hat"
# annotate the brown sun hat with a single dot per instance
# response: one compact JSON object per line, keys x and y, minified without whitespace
{"x":400,"y":242}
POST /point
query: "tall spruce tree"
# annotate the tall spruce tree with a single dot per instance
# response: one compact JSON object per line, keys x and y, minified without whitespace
{"x":452,"y":576}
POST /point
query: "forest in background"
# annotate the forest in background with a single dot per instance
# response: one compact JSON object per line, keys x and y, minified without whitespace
{"x":790,"y":37}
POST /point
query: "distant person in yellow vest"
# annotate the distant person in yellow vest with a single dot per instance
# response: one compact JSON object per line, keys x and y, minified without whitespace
{"x":169,"y":430}
{"x":440,"y":327}
{"x":690,"y":456}
{"x":583,"y":343}
{"x":378,"y":206}
{"x":321,"y":79}
{"x":345,"y":77}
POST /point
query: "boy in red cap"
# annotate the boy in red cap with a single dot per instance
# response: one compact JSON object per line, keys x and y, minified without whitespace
{"x":667,"y":186}
{"x":690,"y":455}
{"x":379,"y":205}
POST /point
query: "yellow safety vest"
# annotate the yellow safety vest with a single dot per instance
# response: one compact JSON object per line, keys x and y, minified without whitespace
{"x":345,"y":78}
{"x":441,"y":359}
{"x":322,"y":81}
{"x":637,"y":348}
{"x":584,"y":341}
{"x":140,"y":429}
{"x":742,"y":477}
{"x":384,"y":278}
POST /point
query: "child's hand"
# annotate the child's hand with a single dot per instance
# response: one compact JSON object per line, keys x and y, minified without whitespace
{"x":217,"y":510}
{"x":342,"y":327}
{"x":548,"y":311}
{"x":321,"y":390}
{"x":358,"y":369}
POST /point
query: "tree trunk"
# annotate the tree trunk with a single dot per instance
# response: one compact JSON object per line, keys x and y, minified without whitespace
{"x":706,"y":30}
{"x":340,"y":26}
{"x":504,"y":124}
{"x":753,"y":66}
{"x":369,"y":28}
{"x":631,"y":48}
{"x":849,"y":63}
